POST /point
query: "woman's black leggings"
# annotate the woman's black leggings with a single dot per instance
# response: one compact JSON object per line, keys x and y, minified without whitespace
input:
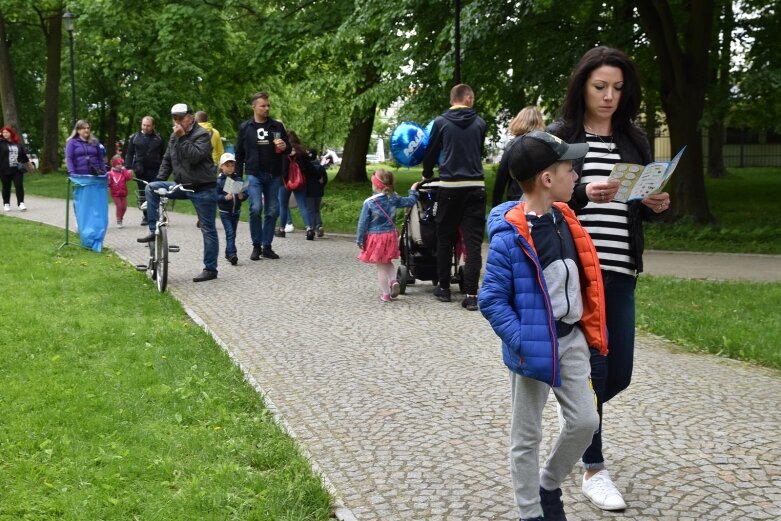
{"x":17,"y":179}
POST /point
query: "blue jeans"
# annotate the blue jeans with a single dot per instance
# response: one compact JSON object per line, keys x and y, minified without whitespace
{"x":284,"y":208}
{"x":205,"y":203}
{"x":611,"y":374}
{"x":261,"y":227}
{"x":230,"y":221}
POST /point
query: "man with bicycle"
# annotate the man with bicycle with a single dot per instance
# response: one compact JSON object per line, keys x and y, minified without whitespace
{"x":189,"y":157}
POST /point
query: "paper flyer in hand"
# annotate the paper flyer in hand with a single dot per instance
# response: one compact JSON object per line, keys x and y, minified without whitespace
{"x":234,"y":187}
{"x":638,"y":181}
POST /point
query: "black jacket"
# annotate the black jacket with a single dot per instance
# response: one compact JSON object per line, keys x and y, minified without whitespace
{"x":458,"y":134}
{"x":631,"y":152}
{"x":316,"y":177}
{"x":189,"y":158}
{"x":144,"y":151}
{"x":504,"y":181}
{"x":255,"y":151}
{"x":224,"y":205}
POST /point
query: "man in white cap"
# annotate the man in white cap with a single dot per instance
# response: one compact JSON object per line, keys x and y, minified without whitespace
{"x":189,"y":157}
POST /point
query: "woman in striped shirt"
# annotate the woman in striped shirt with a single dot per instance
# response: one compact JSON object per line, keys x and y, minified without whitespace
{"x":603,"y":99}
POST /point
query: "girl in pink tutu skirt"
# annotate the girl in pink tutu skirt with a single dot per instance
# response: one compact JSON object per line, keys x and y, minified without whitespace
{"x":377,"y":236}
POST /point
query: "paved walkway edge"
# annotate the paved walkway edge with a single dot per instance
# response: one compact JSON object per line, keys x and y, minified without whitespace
{"x":340,"y":511}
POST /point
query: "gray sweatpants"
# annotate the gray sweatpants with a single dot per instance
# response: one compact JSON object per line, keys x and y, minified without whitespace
{"x":578,"y":405}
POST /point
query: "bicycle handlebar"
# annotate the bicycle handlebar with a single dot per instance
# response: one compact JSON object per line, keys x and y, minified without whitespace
{"x":166,"y":190}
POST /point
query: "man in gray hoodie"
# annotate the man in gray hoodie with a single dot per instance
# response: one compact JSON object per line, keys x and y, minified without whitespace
{"x":456,"y":143}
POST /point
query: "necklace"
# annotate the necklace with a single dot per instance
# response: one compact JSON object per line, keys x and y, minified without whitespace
{"x":610,"y":145}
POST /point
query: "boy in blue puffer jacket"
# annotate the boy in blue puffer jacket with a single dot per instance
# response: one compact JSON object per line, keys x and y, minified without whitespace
{"x":543,"y":296}
{"x":229,"y":204}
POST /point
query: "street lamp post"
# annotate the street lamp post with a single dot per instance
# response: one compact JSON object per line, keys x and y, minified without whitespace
{"x":69,"y":21}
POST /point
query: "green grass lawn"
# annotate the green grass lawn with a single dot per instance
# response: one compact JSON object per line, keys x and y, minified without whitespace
{"x":743,"y":204}
{"x":114,"y":405}
{"x":733,"y":319}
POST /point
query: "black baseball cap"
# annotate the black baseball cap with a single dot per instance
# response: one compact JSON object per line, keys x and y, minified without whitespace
{"x":532,"y":153}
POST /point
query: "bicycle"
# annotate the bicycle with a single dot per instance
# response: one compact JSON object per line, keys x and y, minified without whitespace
{"x":159,"y":248}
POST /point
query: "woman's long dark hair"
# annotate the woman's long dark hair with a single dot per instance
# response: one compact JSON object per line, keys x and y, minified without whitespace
{"x":295,"y":142}
{"x":574,"y":108}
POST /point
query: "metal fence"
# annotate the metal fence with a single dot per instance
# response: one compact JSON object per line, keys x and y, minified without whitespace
{"x":742,"y":147}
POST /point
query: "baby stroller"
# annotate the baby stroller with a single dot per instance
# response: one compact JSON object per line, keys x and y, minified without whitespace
{"x":418,"y":242}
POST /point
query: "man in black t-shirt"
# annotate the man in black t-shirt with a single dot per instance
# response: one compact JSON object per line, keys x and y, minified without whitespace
{"x":261,"y":147}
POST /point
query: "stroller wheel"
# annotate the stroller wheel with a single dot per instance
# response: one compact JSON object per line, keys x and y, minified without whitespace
{"x":401,"y":275}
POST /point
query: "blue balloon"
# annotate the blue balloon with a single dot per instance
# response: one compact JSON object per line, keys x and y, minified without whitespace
{"x":408,"y":144}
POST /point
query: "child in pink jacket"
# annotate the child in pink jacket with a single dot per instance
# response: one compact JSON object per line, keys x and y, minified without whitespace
{"x":118,"y":177}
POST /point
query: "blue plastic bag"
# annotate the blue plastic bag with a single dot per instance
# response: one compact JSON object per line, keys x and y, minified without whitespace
{"x":90,"y":204}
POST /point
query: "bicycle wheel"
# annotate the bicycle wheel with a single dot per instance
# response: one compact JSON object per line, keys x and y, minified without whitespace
{"x":161,"y":258}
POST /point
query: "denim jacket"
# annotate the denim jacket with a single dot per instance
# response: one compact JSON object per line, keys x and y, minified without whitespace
{"x":376,"y":220}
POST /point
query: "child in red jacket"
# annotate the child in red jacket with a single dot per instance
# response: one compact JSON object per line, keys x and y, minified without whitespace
{"x":118,"y":177}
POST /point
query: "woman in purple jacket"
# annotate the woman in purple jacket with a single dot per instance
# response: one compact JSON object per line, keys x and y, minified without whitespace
{"x":84,"y":155}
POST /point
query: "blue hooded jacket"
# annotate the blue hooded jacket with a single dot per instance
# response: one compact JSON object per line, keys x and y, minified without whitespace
{"x":514,"y":297}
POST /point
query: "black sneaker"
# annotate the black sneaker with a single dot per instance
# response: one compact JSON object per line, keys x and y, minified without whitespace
{"x":268,"y":253}
{"x":280,"y":233}
{"x":205,"y":275}
{"x":320,"y":231}
{"x":442,"y":294}
{"x":144,"y":222}
{"x":552,"y":506}
{"x":470,"y":303}
{"x":310,"y":234}
{"x":255,"y":255}
{"x":146,"y":238}
{"x":233,"y":259}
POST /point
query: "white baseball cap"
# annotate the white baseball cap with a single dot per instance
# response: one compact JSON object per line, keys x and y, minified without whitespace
{"x":227,"y":156}
{"x":181,"y":109}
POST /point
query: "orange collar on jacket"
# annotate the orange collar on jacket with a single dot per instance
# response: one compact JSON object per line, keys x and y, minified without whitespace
{"x":592,"y":288}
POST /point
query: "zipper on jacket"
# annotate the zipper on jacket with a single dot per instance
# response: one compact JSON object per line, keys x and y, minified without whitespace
{"x":554,"y":335}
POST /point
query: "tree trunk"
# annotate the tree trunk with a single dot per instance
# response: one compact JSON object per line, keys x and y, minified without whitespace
{"x":685,"y":75}
{"x":50,"y":154}
{"x":353,"y":167}
{"x":650,"y":125}
{"x":720,"y":95}
{"x":7,"y":88}
{"x":687,"y":195}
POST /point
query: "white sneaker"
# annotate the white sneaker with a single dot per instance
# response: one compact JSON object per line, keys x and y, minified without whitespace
{"x":289,"y":228}
{"x":6,"y":207}
{"x":601,"y":490}
{"x":22,"y":207}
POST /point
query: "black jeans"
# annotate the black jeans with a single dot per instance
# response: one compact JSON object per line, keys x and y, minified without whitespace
{"x":612,"y":374}
{"x":464,"y":209}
